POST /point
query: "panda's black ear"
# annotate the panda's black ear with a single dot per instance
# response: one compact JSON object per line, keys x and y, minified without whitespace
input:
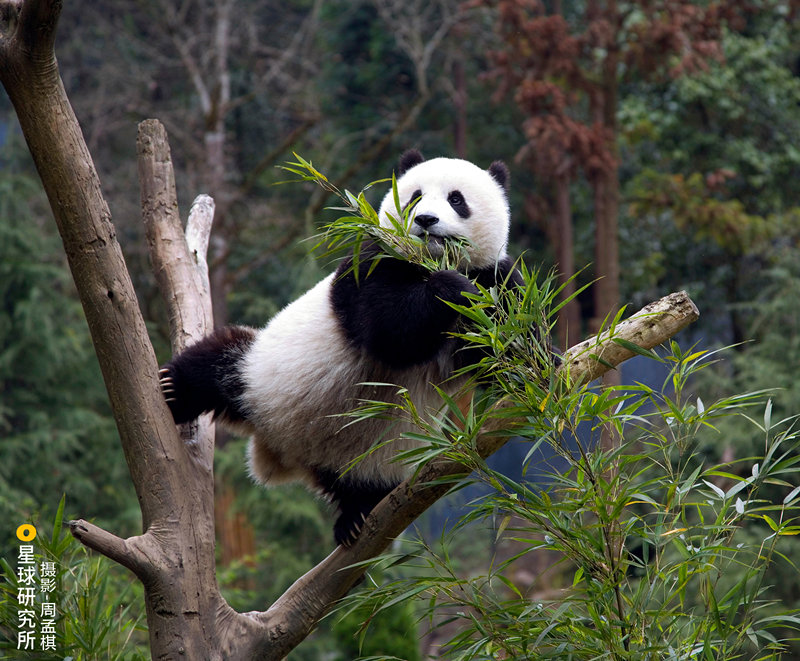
{"x":500,"y":174}
{"x":408,"y":160}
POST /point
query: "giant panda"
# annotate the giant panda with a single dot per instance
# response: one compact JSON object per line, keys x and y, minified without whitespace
{"x":385,"y":321}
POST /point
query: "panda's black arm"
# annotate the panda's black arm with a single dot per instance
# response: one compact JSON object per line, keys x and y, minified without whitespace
{"x":504,"y":272}
{"x":397,"y":310}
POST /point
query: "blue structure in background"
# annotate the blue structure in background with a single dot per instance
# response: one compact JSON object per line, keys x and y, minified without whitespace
{"x":543,"y":463}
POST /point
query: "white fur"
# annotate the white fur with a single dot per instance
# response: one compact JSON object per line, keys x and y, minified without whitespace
{"x":486,"y":228}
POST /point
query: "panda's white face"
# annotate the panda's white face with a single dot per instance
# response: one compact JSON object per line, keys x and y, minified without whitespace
{"x":456,"y":199}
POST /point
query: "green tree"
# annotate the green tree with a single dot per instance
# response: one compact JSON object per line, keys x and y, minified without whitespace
{"x":566,"y":65}
{"x":713,"y":158}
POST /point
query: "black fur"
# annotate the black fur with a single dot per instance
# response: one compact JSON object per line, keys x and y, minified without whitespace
{"x":396,"y":310}
{"x":355,"y":500}
{"x":408,"y":160}
{"x":206,"y":376}
{"x":502,"y":176}
{"x":504,"y":273}
{"x":459,"y":204}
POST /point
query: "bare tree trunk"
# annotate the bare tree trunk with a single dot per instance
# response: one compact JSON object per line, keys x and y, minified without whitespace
{"x":569,"y":319}
{"x":460,"y":109}
{"x":605,"y":182}
{"x":182,"y":273}
{"x":557,"y":226}
{"x":606,"y":201}
{"x":174,"y":557}
{"x":233,"y":527}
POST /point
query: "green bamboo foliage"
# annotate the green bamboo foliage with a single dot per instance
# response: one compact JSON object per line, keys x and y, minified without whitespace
{"x":663,"y":555}
{"x":359,"y":224}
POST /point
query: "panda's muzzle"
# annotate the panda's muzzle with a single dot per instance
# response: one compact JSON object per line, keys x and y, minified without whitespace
{"x":425,"y":226}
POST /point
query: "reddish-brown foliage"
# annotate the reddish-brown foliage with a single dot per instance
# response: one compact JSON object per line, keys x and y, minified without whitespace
{"x":559,"y":71}
{"x":564,"y":70}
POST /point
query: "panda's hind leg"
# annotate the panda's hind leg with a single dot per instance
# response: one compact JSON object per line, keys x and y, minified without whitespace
{"x":207,"y":376}
{"x":355,"y":499}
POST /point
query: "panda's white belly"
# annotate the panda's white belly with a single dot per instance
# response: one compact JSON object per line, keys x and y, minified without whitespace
{"x":301,"y":375}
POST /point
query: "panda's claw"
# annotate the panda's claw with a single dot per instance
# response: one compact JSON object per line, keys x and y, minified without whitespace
{"x":164,"y":370}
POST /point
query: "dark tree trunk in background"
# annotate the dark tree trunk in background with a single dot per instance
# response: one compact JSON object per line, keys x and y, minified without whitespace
{"x":460,"y":109}
{"x":606,"y":216}
{"x":569,"y":321}
{"x":604,"y":99}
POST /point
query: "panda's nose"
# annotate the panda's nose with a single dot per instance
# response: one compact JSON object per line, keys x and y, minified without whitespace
{"x":425,"y":220}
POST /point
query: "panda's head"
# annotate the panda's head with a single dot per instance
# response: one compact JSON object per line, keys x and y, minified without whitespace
{"x":456,"y":199}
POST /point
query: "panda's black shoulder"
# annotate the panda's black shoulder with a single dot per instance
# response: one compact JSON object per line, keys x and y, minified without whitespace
{"x":503,"y":272}
{"x":374,"y":296}
{"x":397,"y":311}
{"x":369,"y":270}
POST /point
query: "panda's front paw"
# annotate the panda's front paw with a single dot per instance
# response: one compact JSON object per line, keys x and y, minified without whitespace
{"x":176,"y":394}
{"x":166,"y":379}
{"x":451,"y":286}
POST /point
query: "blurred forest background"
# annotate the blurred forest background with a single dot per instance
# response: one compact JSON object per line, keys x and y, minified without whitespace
{"x":654,"y":145}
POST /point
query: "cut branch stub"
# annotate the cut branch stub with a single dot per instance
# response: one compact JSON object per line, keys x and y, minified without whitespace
{"x":180,"y":269}
{"x":651,"y":326}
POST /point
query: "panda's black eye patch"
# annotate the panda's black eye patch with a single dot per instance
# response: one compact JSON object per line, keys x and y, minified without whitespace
{"x":414,"y":196}
{"x":459,"y":204}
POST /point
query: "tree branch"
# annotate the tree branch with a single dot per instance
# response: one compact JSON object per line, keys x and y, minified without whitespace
{"x":654,"y":324}
{"x":179,"y":261}
{"x":117,"y":549}
{"x":181,"y":271}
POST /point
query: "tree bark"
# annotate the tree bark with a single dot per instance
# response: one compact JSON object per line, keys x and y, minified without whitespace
{"x":605,"y":180}
{"x":569,"y":320}
{"x":174,"y":557}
